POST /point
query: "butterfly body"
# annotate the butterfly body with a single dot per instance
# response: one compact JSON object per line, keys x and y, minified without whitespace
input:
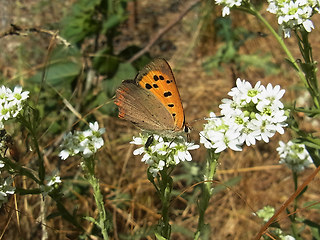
{"x":151,"y":101}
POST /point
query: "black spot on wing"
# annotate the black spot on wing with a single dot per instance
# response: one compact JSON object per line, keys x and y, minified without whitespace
{"x":167,"y":94}
{"x":148,"y":86}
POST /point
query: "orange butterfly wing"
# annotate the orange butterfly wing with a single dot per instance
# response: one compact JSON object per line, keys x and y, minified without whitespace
{"x":157,"y":77}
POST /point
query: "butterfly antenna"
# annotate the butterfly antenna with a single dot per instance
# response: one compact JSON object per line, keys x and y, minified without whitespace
{"x":202,"y":119}
{"x":205,"y":137}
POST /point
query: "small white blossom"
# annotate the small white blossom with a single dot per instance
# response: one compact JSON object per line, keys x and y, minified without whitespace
{"x":1,"y":164}
{"x":6,"y":188}
{"x":162,"y":152}
{"x":54,"y":179}
{"x":287,"y":237}
{"x":253,"y":114}
{"x":266,"y":213}
{"x":294,"y":155}
{"x":86,"y":143}
{"x":227,"y":5}
{"x":11,"y":102}
{"x":294,"y":13}
{"x":52,"y":183}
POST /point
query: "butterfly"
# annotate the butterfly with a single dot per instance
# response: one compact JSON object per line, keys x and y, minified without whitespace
{"x":152,"y":101}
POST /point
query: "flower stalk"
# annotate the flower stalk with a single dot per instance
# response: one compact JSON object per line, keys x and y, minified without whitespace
{"x":210,"y":170}
{"x":281,"y":43}
{"x":88,"y":168}
{"x":165,"y":187}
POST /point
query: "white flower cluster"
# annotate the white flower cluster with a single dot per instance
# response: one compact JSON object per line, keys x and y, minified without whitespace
{"x":294,"y":13}
{"x":294,"y":155}
{"x":6,"y":188}
{"x":85,"y":143}
{"x":266,"y":213}
{"x":253,"y":113}
{"x":11,"y":102}
{"x":162,"y":152}
{"x":227,"y":5}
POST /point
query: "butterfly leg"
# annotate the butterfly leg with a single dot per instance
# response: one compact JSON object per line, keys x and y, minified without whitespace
{"x":149,"y":141}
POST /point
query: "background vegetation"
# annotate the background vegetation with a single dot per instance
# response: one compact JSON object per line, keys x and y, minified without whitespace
{"x":77,"y":53}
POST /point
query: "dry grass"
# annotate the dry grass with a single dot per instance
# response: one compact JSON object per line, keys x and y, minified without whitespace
{"x":129,"y":197}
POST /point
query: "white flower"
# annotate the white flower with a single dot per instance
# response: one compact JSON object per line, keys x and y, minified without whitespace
{"x":293,"y":14}
{"x":253,"y":114}
{"x":18,"y":95}
{"x":52,"y":183}
{"x":86,"y":143}
{"x":64,"y":154}
{"x":11,"y":103}
{"x":228,"y":139}
{"x":225,"y":11}
{"x":244,"y":93}
{"x":227,"y":5}
{"x":96,"y":130}
{"x":294,"y":155}
{"x":265,"y":213}
{"x":162,"y":151}
{"x":287,"y":237}
{"x":54,"y":179}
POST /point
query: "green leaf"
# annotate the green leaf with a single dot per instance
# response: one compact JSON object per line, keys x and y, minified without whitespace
{"x":125,"y":71}
{"x":91,"y":219}
{"x":63,"y":67}
{"x":159,"y":237}
{"x":81,"y":21}
{"x":314,"y":227}
{"x":302,"y":192}
{"x":105,"y":63}
{"x":314,"y":206}
{"x":58,"y":74}
{"x":291,"y":64}
{"x":112,"y":22}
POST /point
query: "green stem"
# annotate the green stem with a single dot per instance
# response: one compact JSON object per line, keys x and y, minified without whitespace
{"x":295,"y":206}
{"x":41,"y":172}
{"x":20,"y":170}
{"x":309,"y":66}
{"x":281,"y":42}
{"x":165,"y":191}
{"x":210,"y":170}
{"x":89,"y":174}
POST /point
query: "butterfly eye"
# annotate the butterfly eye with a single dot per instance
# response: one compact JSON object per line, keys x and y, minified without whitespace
{"x":187,"y":129}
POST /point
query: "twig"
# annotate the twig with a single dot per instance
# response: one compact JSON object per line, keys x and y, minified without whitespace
{"x":163,"y":31}
{"x":286,"y":203}
{"x":20,"y":31}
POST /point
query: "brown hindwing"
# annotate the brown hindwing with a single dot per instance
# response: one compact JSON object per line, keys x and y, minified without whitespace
{"x":142,"y":108}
